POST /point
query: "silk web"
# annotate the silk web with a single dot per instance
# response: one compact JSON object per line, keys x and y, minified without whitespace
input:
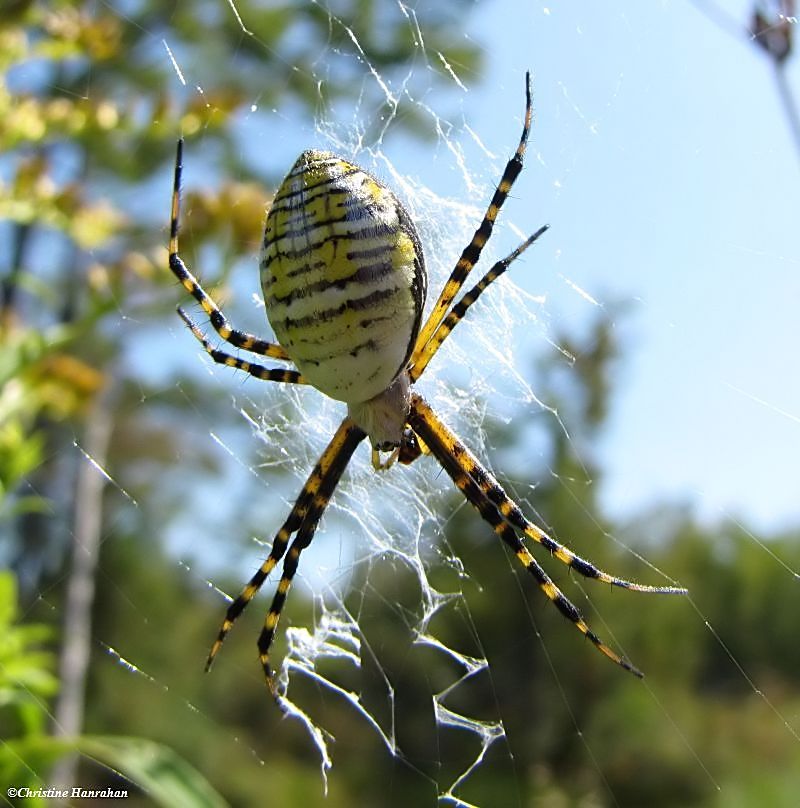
{"x":395,"y":524}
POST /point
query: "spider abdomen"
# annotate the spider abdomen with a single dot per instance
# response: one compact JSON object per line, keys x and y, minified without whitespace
{"x":343,"y":277}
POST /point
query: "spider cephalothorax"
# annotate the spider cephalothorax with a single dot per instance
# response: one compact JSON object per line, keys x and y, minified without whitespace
{"x":344,"y":283}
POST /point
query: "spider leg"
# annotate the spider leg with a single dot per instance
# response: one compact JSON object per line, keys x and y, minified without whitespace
{"x":241,"y":339}
{"x":472,"y":252}
{"x":340,"y":453}
{"x":290,"y":564}
{"x":460,"y":309}
{"x":512,"y":513}
{"x":303,"y":520}
{"x":486,"y":495}
{"x":254,"y":369}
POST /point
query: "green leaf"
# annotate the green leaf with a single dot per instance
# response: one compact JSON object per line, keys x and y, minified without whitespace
{"x":156,"y":769}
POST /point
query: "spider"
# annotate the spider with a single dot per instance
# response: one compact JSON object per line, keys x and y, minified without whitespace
{"x":344,"y":282}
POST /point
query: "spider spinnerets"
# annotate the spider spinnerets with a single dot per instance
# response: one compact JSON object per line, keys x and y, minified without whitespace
{"x":344,"y":284}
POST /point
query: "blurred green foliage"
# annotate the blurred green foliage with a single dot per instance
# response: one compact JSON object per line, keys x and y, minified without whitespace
{"x":88,"y":120}
{"x":27,"y":682}
{"x":26,"y":676}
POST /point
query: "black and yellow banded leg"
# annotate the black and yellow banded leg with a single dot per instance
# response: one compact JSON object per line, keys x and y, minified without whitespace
{"x":513,"y":514}
{"x":302,"y":519}
{"x":349,"y":436}
{"x":464,"y":470}
{"x":253,"y":368}
{"x":279,"y":545}
{"x":472,"y":252}
{"x":241,"y":339}
{"x":290,"y":564}
{"x":460,"y":309}
{"x":439,"y":439}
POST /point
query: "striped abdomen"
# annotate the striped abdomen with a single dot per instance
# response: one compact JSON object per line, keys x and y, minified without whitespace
{"x":343,"y":277}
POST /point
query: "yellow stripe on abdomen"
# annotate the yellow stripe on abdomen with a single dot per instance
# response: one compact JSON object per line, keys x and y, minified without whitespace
{"x":343,"y":277}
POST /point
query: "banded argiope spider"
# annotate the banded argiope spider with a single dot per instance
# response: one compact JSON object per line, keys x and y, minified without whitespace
{"x":344,"y":284}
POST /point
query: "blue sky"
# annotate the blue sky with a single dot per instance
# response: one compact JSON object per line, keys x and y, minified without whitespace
{"x":662,"y":159}
{"x":669,"y":176}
